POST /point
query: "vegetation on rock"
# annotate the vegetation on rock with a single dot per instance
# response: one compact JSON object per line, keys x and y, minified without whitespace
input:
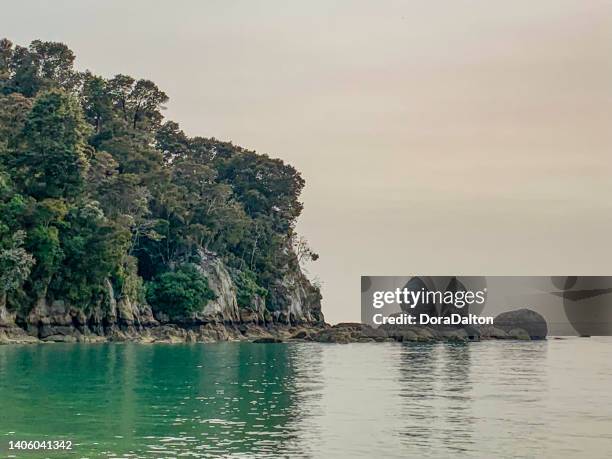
{"x":96,"y":186}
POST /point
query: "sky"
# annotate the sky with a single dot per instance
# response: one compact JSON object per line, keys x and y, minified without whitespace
{"x":445,"y":137}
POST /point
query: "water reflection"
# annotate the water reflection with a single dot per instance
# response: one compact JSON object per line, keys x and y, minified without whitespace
{"x":160,"y":401}
{"x":435,"y":394}
{"x":489,"y":399}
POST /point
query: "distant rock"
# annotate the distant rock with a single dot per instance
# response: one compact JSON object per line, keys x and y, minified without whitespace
{"x":523,"y":319}
{"x":519,"y":333}
{"x":268,"y":340}
{"x":302,"y":334}
{"x":491,"y":332}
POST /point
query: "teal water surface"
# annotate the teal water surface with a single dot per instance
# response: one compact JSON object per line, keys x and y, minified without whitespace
{"x":491,"y":399}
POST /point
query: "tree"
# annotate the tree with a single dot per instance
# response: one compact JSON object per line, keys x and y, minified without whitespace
{"x":14,"y":109}
{"x":93,"y":248}
{"x":99,"y":188}
{"x":179,"y":292}
{"x":15,"y":265}
{"x":42,"y":66}
{"x":267,"y":187}
{"x":51,"y":158}
{"x":15,"y":262}
{"x":139,"y":102}
{"x":96,"y":101}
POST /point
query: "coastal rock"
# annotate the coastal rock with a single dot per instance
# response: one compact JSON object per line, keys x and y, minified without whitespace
{"x":459,"y":334}
{"x":491,"y":332}
{"x":302,"y":334}
{"x":526,"y":319}
{"x":267,"y":340}
{"x":409,"y":332}
{"x":344,"y":333}
{"x":16,"y":335}
{"x":294,"y":300}
{"x":7,"y":319}
{"x":60,"y":339}
{"x":225,"y":306}
{"x":519,"y":333}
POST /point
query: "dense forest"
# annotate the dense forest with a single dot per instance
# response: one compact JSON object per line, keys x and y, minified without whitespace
{"x":96,"y":187}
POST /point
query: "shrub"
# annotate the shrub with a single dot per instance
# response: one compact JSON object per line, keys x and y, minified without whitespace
{"x":247,"y":287}
{"x":179,"y":292}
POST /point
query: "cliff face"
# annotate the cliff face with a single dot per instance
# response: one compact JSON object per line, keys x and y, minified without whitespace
{"x":116,"y":318}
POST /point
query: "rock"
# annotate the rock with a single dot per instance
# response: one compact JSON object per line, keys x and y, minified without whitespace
{"x":332,"y":336}
{"x":125,"y":311}
{"x":348,"y":333}
{"x":60,"y":339}
{"x":365,"y":340}
{"x":359,"y":329}
{"x":404,"y":336}
{"x":111,"y":302}
{"x":302,"y":334}
{"x":491,"y":332}
{"x":267,"y":340}
{"x":248,"y":316}
{"x":426,"y":334}
{"x":526,"y":319}
{"x":47,"y":331}
{"x":472,"y":333}
{"x":225,"y":306}
{"x":161,"y":334}
{"x":454,"y":334}
{"x":295,"y":300}
{"x":7,"y":319}
{"x":252,"y":331}
{"x":519,"y":333}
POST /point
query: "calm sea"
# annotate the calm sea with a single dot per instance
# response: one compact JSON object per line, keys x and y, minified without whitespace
{"x":491,"y":399}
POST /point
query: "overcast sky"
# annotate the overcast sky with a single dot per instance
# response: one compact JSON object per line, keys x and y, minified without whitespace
{"x":435,"y":137}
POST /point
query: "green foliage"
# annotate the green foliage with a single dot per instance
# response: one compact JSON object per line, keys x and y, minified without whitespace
{"x":247,"y":288}
{"x":43,"y":65}
{"x":92,"y":247}
{"x":15,"y":264}
{"x":127,"y":281}
{"x":51,"y":161}
{"x":13,"y":111}
{"x":179,"y":292}
{"x":44,"y":244}
{"x":97,"y":187}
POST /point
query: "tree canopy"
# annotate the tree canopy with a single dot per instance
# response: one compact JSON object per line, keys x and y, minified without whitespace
{"x":96,"y":185}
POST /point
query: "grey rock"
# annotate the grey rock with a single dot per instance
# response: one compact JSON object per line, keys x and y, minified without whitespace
{"x":519,"y":333}
{"x":267,"y":340}
{"x":526,"y":319}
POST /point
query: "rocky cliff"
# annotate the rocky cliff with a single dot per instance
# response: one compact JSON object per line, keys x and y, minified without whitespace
{"x":115,"y":318}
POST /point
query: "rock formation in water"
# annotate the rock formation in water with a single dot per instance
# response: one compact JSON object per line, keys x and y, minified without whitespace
{"x":522,"y":322}
{"x":121,"y":319}
{"x":115,"y":224}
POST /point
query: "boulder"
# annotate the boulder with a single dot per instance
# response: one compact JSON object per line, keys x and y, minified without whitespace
{"x":526,"y":319}
{"x":519,"y":333}
{"x":302,"y":334}
{"x":491,"y":332}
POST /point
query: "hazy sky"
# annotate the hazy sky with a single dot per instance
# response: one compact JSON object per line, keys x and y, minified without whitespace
{"x":435,"y":137}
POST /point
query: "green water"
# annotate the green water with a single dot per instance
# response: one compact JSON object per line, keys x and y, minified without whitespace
{"x":489,"y":399}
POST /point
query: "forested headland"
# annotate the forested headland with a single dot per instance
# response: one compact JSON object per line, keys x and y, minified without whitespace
{"x":109,"y":212}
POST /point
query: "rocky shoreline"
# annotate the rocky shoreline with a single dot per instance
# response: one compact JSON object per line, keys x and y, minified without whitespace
{"x":522,"y":324}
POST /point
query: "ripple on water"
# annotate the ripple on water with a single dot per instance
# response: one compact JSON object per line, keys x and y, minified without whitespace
{"x":489,"y":399}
